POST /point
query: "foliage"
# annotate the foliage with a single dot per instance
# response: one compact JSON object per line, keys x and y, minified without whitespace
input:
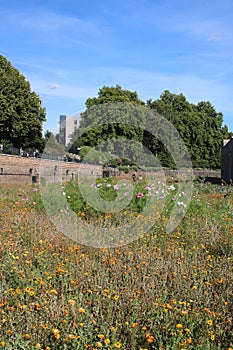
{"x":112,"y":95}
{"x":163,"y":291}
{"x":200,"y":127}
{"x":21,"y":114}
{"x":107,"y":118}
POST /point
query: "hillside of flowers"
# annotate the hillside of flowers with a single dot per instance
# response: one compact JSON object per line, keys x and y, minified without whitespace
{"x":163,"y":290}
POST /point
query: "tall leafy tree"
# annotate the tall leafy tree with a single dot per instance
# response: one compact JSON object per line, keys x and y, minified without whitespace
{"x":21,"y":113}
{"x":200,"y":126}
{"x":113,"y":94}
{"x":109,"y":116}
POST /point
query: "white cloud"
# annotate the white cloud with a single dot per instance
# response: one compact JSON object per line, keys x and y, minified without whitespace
{"x":49,"y":23}
{"x":215,"y":37}
{"x":54,"y":86}
{"x":148,"y":84}
{"x":45,"y":21}
{"x":65,"y":90}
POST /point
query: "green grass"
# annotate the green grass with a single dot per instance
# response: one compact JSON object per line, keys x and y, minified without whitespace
{"x":162,"y":291}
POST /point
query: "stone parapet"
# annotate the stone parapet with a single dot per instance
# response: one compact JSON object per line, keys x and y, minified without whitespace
{"x":27,"y":170}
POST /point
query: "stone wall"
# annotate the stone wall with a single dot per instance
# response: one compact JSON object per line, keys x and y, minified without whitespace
{"x":17,"y":169}
{"x":27,"y":170}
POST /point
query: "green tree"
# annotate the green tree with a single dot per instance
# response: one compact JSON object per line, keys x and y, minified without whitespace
{"x":21,"y":113}
{"x":200,"y":127}
{"x":107,"y":118}
{"x":113,"y":94}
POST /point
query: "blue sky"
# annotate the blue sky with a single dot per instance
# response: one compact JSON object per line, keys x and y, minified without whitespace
{"x":69,"y":49}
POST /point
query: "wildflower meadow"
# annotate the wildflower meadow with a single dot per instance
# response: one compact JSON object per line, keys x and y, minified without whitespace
{"x":163,"y":290}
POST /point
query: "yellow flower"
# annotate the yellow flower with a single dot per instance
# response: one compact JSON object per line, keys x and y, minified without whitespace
{"x":210,"y":322}
{"x":81,"y":310}
{"x":99,"y":344}
{"x":53,"y":291}
{"x":55,"y":330}
{"x":117,"y":345}
{"x":3,"y":343}
{"x":56,"y":333}
{"x":116,"y":297}
{"x":38,"y":345}
{"x":71,"y":302}
{"x":106,"y":341}
{"x":179,"y":325}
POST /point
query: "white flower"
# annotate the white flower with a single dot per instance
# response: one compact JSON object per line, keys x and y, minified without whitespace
{"x":182,"y":203}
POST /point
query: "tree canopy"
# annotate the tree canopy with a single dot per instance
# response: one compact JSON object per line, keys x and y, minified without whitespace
{"x":107,"y":117}
{"x":198,"y":125}
{"x":112,"y":95}
{"x":21,"y":113}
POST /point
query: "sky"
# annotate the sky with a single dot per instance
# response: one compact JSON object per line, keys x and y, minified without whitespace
{"x":69,"y":49}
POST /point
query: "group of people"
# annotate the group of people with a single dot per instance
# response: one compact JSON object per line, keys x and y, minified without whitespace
{"x":33,"y":154}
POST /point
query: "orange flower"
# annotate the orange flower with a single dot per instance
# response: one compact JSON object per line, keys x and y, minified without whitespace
{"x":27,"y":336}
{"x":149,"y":338}
{"x":81,"y":310}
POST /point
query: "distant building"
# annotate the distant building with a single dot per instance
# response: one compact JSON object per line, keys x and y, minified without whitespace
{"x":227,"y":161}
{"x":67,"y":126}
